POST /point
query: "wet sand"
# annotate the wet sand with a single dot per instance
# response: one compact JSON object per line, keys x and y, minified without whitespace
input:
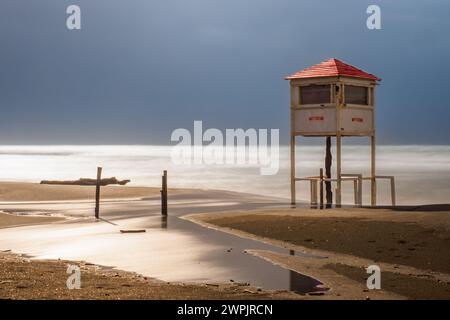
{"x":421,"y":287}
{"x":11,"y":220}
{"x":411,"y":247}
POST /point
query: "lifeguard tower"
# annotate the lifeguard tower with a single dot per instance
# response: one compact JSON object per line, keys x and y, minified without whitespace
{"x":334,"y":99}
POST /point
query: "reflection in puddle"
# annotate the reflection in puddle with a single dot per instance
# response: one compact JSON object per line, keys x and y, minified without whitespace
{"x":163,"y":222}
{"x":303,"y":284}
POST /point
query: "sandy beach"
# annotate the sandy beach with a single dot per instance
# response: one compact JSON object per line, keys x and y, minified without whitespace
{"x":411,"y":247}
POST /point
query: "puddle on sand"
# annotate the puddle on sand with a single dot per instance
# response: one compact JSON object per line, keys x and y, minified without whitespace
{"x":172,"y":249}
{"x":244,"y":267}
{"x":274,"y":277}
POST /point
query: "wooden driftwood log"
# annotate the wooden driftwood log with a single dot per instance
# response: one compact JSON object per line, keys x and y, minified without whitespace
{"x":87,"y":182}
{"x":132,"y":231}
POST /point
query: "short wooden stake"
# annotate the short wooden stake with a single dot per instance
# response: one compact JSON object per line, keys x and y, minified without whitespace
{"x":360,"y":185}
{"x":336,"y":194}
{"x":97,"y":193}
{"x":164,"y":194}
{"x":314,"y":192}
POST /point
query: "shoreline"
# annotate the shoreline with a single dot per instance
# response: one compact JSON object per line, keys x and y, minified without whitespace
{"x":13,"y":192}
{"x":30,"y":192}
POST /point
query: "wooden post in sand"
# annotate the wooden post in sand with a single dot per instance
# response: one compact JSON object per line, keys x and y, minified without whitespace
{"x":97,"y":193}
{"x":164,"y":194}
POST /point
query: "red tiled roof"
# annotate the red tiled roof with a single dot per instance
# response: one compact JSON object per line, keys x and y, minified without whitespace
{"x":332,"y":68}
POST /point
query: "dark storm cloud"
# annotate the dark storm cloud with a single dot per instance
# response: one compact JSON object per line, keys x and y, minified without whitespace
{"x":139,"y":69}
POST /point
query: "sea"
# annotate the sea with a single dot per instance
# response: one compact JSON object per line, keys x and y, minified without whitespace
{"x":422,"y":172}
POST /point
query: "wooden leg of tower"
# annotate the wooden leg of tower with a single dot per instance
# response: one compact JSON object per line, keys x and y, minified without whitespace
{"x":338,"y":172}
{"x":328,"y":162}
{"x":373,"y":173}
{"x":393,"y":191}
{"x":360,"y":190}
{"x":293,"y":201}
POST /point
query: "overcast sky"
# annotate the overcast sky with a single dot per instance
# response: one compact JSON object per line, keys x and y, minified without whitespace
{"x":139,"y":69}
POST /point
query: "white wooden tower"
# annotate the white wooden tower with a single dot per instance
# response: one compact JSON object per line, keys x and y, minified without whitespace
{"x":333,"y":99}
